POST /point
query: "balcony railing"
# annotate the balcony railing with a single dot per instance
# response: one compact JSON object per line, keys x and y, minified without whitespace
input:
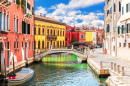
{"x":28,"y":13}
{"x":6,"y":3}
{"x":51,"y":37}
{"x":109,"y":17}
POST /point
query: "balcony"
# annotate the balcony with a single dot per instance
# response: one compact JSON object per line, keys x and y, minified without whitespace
{"x":109,"y":18}
{"x":28,"y":13}
{"x":108,"y":4}
{"x":6,"y":3}
{"x":51,"y":37}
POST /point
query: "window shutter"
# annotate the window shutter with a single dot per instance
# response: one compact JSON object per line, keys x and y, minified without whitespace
{"x":28,"y":28}
{"x":23,"y":27}
{"x":129,"y":7}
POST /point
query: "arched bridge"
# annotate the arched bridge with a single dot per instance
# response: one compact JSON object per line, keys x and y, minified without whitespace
{"x":82,"y":55}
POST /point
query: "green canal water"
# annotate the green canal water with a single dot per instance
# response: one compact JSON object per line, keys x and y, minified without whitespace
{"x":63,"y":70}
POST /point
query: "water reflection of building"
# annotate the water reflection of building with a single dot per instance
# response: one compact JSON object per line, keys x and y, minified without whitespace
{"x":48,"y":33}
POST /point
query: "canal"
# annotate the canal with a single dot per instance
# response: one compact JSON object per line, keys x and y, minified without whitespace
{"x":62,"y":69}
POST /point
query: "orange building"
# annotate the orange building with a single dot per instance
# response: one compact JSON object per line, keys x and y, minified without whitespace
{"x":16,"y":33}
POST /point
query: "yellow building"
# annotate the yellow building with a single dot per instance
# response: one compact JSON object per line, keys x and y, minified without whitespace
{"x":91,"y":37}
{"x":49,"y":33}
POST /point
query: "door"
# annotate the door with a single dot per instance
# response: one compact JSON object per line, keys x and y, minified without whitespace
{"x":26,"y":51}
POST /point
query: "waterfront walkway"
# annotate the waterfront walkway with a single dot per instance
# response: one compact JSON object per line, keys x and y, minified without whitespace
{"x":119,"y":69}
{"x":107,"y":59}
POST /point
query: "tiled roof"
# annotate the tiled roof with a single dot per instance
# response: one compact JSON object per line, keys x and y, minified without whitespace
{"x":47,"y":19}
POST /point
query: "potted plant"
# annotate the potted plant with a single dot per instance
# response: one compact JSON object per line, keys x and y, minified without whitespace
{"x":18,"y":2}
{"x":23,"y":4}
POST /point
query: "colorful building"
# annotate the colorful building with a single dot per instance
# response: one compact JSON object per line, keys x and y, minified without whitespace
{"x":91,"y":36}
{"x":16,"y":33}
{"x":68,"y":34}
{"x":100,"y":36}
{"x":49,"y":33}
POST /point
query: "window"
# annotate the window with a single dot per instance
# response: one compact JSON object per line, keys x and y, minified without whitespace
{"x":60,"y":33}
{"x":42,"y":44}
{"x":38,"y":44}
{"x":43,"y":31}
{"x":28,"y":6}
{"x":119,"y":44}
{"x":123,"y":28}
{"x":17,"y":45}
{"x":47,"y":31}
{"x":17,"y":25}
{"x":127,"y":8}
{"x":4,"y":22}
{"x":8,"y":27}
{"x":114,"y":7}
{"x":29,"y":45}
{"x":22,"y":44}
{"x":119,"y":6}
{"x":14,"y":45}
{"x":14,"y":25}
{"x":119,"y":30}
{"x":63,"y":33}
{"x":58,"y":44}
{"x":15,"y":1}
{"x":51,"y":31}
{"x":38,"y":31}
{"x":127,"y":28}
{"x":8,"y":53}
{"x":108,"y":28}
{"x":0,"y":20}
{"x":54,"y":32}
{"x":122,"y":10}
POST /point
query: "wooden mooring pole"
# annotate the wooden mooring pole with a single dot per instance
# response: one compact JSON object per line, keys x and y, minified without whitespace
{"x":101,"y":65}
{"x":111,"y":65}
{"x":123,"y":71}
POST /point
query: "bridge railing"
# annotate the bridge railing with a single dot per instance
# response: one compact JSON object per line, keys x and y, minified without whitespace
{"x":58,"y":47}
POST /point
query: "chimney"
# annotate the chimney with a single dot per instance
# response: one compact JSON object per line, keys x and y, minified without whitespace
{"x":44,"y":15}
{"x":40,"y":14}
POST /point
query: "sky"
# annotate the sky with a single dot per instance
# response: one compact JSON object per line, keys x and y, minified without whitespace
{"x":73,"y":12}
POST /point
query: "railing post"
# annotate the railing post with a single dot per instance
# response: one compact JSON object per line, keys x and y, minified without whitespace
{"x":123,"y":71}
{"x":101,"y":67}
{"x":111,"y":65}
{"x":118,"y":68}
{"x":115,"y":67}
{"x":72,"y":47}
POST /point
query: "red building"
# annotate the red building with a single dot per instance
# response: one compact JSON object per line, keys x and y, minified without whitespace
{"x":72,"y":34}
{"x":68,"y":34}
{"x":16,"y":33}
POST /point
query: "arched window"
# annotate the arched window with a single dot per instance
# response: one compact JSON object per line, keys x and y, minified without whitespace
{"x":114,"y":7}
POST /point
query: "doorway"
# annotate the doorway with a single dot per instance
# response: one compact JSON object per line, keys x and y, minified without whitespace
{"x":2,"y":56}
{"x":26,"y":51}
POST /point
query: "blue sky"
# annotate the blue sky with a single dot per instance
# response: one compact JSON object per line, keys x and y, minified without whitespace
{"x":73,"y":12}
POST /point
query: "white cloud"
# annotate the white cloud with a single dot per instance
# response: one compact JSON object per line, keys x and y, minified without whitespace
{"x":40,"y":10}
{"x":70,"y":14}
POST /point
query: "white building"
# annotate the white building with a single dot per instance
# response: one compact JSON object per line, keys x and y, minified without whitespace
{"x":123,"y":39}
{"x":112,"y":12}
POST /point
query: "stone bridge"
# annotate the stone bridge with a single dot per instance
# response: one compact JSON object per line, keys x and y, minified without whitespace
{"x":82,"y":55}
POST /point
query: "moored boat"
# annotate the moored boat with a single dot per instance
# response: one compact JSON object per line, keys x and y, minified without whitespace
{"x":21,"y":77}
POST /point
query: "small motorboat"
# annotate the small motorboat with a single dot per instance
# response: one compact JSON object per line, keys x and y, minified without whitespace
{"x":20,"y":77}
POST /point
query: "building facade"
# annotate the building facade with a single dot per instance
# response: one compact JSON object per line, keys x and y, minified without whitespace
{"x":91,"y":37}
{"x":16,"y":33}
{"x":112,"y":13}
{"x":68,"y":34}
{"x":49,"y":33}
{"x":100,"y":37}
{"x":123,"y":31}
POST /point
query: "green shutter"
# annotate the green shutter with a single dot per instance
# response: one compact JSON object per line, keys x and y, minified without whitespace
{"x":28,"y":28}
